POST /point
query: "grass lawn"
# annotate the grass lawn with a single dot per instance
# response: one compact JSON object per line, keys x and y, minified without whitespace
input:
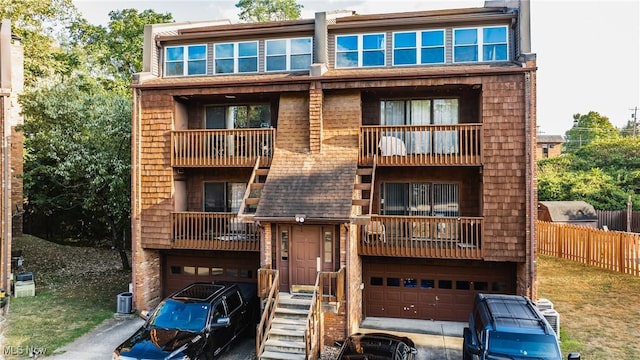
{"x":599,"y":309}
{"x":76,"y":289}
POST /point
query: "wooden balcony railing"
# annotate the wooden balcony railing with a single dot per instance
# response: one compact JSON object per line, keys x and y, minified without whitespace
{"x":213,"y":231}
{"x":225,"y":147}
{"x":422,"y":237}
{"x":420,"y":145}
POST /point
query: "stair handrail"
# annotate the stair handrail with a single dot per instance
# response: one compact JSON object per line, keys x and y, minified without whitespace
{"x":373,"y":182}
{"x":270,"y":303}
{"x":247,"y":191}
{"x":312,"y":329}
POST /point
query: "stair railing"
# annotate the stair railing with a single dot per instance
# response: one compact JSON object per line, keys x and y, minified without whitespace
{"x":268,"y":279}
{"x":312,"y":329}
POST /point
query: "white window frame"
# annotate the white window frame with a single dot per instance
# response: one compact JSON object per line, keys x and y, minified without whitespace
{"x":288,"y":54}
{"x":418,"y":47}
{"x":480,"y":44}
{"x":360,"y":50}
{"x":236,"y":57}
{"x":185,"y":60}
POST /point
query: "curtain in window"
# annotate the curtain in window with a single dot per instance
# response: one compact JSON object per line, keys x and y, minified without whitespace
{"x":236,"y":193}
{"x":420,"y":199}
{"x":420,"y":141}
{"x":395,"y":198}
{"x":445,"y":200}
{"x":445,"y":112}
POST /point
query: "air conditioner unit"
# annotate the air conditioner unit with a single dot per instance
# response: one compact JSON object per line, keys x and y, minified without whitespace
{"x":544,"y":304}
{"x":553,"y":318}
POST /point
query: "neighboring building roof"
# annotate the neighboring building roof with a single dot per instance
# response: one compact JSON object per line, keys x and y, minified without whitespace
{"x":551,"y":139}
{"x":318,"y":186}
{"x":570,"y":211}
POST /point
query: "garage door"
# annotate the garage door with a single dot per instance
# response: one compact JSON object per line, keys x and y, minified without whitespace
{"x":424,"y":290}
{"x":181,"y":269}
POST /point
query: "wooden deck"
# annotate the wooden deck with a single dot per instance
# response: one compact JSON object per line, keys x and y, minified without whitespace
{"x":421,"y":145}
{"x":213,"y":231}
{"x":222,"y":148}
{"x":422,"y":237}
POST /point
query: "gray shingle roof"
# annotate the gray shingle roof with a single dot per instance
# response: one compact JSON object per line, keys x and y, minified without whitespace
{"x":320,"y":186}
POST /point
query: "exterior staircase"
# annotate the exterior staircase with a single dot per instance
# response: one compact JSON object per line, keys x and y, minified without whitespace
{"x":254,"y":191}
{"x":286,"y":336}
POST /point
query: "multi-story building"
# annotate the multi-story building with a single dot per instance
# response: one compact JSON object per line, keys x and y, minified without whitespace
{"x":11,"y":85}
{"x":395,"y":151}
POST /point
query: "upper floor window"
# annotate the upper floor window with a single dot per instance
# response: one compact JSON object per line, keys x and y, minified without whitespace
{"x":238,"y":116}
{"x":231,"y":58}
{"x":360,"y":50}
{"x":422,"y":47}
{"x":185,"y":60}
{"x":420,"y":199}
{"x":288,"y":54}
{"x":480,"y":44}
{"x":223,"y":197}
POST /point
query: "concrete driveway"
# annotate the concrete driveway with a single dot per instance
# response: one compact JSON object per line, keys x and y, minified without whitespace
{"x":434,"y":339}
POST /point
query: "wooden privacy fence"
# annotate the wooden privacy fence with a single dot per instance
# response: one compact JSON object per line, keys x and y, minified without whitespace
{"x":617,"y":220}
{"x":612,"y":250}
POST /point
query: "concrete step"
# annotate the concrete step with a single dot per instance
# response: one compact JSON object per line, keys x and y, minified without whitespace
{"x":286,"y":334}
{"x":285,"y":346}
{"x":275,"y":355}
{"x":294,"y":303}
{"x":292,"y":313}
{"x":289,"y":324}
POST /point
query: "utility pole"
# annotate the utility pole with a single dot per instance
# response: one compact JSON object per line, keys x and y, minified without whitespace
{"x":634,"y":116}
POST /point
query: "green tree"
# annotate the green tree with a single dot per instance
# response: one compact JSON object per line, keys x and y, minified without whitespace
{"x":41,"y":25}
{"x":115,"y":51}
{"x":77,"y":171}
{"x":587,"y":128}
{"x":268,"y":10}
{"x":603,"y":173}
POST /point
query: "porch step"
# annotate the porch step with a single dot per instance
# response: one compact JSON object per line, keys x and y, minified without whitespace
{"x":284,"y":346}
{"x":276,"y":355}
{"x":295,"y":303}
{"x":289,"y":325}
{"x":296,"y":335}
{"x":292,"y":312}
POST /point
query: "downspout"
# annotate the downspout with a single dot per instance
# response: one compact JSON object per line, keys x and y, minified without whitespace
{"x":530,"y":179}
{"x":6,"y":201}
{"x":135,"y":236}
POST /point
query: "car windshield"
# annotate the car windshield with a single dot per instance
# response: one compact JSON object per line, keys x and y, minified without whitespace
{"x":520,"y":346}
{"x":172,"y":314}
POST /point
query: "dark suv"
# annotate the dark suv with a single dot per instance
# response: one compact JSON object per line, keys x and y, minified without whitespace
{"x":503,"y":327}
{"x":197,"y":322}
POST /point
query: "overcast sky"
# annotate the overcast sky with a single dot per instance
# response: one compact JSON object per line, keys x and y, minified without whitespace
{"x":588,"y":52}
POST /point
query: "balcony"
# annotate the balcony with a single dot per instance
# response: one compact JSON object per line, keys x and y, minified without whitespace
{"x":213,"y":231}
{"x":421,"y":145}
{"x":422,"y":237}
{"x":222,"y":148}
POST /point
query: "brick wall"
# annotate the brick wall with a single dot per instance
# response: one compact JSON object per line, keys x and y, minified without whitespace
{"x":334,"y":327}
